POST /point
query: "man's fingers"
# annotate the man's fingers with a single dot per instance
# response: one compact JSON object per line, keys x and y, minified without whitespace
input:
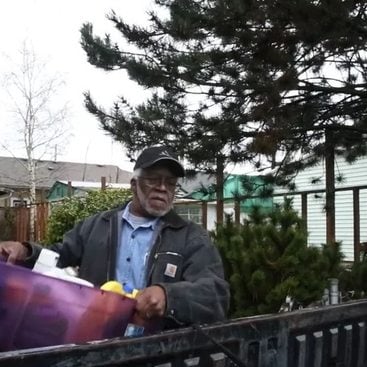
{"x":151,"y":302}
{"x":11,"y":258}
{"x":13,"y":251}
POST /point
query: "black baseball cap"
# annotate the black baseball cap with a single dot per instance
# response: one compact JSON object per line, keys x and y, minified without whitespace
{"x":162,"y":155}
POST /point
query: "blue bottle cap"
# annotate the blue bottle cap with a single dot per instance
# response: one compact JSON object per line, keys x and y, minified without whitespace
{"x":128,"y":288}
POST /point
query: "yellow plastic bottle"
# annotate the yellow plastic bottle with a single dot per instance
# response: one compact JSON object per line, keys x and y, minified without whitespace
{"x":116,"y":287}
{"x":136,"y":326}
{"x":113,"y":286}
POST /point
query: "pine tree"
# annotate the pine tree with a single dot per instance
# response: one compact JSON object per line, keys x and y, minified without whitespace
{"x":353,"y":280}
{"x":267,"y":259}
{"x":268,"y":77}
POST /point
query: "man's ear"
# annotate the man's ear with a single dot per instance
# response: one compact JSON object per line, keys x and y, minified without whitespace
{"x":133,"y":183}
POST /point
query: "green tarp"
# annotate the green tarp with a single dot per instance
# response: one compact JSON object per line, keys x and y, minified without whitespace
{"x":237,"y":186}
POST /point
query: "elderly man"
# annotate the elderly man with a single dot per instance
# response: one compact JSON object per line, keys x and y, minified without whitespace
{"x":146,"y":245}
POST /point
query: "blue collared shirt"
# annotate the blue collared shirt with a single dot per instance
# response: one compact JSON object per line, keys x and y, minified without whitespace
{"x":136,"y":241}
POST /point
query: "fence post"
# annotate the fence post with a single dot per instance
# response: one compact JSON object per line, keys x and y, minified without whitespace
{"x":304,"y":208}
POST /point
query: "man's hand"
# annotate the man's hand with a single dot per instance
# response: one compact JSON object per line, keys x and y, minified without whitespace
{"x":151,"y":302}
{"x":13,"y":251}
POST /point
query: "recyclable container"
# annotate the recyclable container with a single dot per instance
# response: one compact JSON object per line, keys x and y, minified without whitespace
{"x":37,"y":310}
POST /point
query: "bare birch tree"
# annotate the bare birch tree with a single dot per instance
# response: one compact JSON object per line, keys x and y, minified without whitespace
{"x":38,"y":118}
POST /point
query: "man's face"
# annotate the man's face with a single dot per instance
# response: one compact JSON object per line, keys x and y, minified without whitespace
{"x":154,"y":191}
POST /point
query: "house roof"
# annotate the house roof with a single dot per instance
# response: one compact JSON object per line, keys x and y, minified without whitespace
{"x":13,"y":173}
{"x":95,"y":185}
{"x":202,"y":188}
{"x":79,"y":188}
{"x":197,"y":182}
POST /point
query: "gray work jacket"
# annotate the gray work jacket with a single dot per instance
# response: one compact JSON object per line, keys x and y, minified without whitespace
{"x":183,"y":261}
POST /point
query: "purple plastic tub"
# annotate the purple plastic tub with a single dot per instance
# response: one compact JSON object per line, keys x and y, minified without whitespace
{"x":38,"y":311}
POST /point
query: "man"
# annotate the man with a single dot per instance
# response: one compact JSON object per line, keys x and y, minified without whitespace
{"x":147,"y":246}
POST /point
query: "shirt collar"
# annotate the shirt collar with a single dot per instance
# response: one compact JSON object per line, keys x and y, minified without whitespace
{"x":149,"y":224}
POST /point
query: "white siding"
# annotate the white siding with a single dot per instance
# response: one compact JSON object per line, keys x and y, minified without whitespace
{"x":212,"y":213}
{"x":316,"y":227}
{"x":212,"y":216}
{"x":354,"y":175}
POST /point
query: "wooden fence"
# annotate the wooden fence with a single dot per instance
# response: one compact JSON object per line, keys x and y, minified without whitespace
{"x":20,"y":216}
{"x":357,"y":204}
{"x":19,"y":220}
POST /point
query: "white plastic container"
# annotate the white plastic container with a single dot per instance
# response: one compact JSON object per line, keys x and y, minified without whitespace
{"x":46,"y":264}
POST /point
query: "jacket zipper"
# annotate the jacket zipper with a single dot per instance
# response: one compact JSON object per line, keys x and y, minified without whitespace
{"x":153,"y":257}
{"x":111,"y":246}
{"x":166,"y":253}
{"x":109,"y":254}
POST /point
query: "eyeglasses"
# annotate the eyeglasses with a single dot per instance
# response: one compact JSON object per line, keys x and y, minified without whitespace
{"x":150,"y":181}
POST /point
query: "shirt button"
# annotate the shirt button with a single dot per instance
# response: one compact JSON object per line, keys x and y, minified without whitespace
{"x":128,"y":259}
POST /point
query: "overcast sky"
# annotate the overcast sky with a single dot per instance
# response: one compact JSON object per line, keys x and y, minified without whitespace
{"x":53,"y":27}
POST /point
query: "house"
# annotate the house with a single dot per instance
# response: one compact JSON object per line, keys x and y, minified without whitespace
{"x":349,"y":178}
{"x":14,"y":177}
{"x":62,"y":189}
{"x":201,"y":188}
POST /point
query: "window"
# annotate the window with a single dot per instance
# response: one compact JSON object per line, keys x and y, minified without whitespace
{"x":189,"y":212}
{"x":15,"y":202}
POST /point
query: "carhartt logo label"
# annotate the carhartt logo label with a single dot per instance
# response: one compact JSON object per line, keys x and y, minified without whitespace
{"x":170,"y":270}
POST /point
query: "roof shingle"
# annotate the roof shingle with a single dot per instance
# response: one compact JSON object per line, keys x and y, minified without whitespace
{"x":13,"y":172}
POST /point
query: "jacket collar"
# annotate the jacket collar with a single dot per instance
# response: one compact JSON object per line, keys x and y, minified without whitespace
{"x":174,"y":220}
{"x":171,"y":219}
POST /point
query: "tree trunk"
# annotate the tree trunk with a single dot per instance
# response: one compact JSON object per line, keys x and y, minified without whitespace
{"x":219,"y":189}
{"x":32,"y":198}
{"x":330,"y":187}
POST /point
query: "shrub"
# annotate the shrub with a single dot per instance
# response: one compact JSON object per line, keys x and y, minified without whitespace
{"x":267,"y":258}
{"x":71,"y":210}
{"x":353,"y":280}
